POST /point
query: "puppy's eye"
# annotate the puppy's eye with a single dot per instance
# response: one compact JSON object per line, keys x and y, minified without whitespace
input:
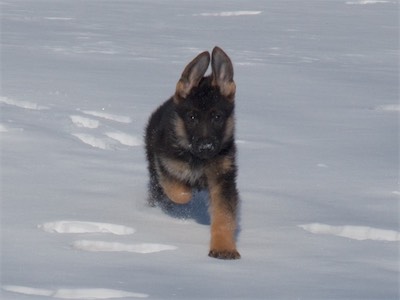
{"x":192,"y":116}
{"x":216,"y":116}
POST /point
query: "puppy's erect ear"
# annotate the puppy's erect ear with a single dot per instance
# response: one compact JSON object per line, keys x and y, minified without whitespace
{"x":222,"y":72}
{"x":192,"y":75}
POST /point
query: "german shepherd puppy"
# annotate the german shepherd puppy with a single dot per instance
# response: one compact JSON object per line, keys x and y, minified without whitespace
{"x":190,"y":145}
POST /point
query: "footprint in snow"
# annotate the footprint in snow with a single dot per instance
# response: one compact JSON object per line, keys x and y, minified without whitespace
{"x":107,"y":140}
{"x":80,"y":227}
{"x":95,"y":142}
{"x":124,"y":139}
{"x":102,"y":246}
{"x":366,"y":2}
{"x":359,"y":233}
{"x":388,"y":108}
{"x":18,"y":104}
{"x":22,"y":104}
{"x":84,"y":122}
{"x":108,"y":116}
{"x":63,"y":293}
{"x":3,"y":128}
{"x":229,"y":13}
{"x":85,"y":227}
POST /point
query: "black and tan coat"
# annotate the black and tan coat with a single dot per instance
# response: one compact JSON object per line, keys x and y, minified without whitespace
{"x":190,"y":145}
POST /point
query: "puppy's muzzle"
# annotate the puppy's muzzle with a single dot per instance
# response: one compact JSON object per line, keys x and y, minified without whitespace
{"x":205,"y":148}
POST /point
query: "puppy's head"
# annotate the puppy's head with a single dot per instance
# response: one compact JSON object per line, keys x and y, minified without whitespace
{"x":204,"y":122}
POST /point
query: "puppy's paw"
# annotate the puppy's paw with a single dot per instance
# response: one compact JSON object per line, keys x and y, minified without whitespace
{"x":224,"y":254}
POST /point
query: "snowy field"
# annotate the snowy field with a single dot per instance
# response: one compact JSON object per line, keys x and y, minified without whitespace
{"x":317,"y":131}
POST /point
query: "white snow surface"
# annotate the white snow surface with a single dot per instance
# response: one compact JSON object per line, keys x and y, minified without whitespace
{"x":317,"y":110}
{"x":354,"y":232}
{"x":85,"y":227}
{"x":73,"y":293}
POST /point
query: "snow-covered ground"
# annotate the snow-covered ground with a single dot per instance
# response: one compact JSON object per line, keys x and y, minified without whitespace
{"x":317,"y":132}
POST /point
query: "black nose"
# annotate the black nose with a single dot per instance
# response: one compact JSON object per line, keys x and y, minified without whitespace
{"x":205,"y":147}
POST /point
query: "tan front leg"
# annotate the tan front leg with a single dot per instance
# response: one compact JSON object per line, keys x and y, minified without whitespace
{"x":176,"y":191}
{"x":223,"y":226}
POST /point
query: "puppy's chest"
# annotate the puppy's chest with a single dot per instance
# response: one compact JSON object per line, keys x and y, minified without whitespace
{"x":192,"y":174}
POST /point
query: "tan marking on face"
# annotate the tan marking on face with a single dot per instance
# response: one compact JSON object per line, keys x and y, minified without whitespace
{"x":229,"y":129}
{"x":180,"y":132}
{"x":226,"y":164}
